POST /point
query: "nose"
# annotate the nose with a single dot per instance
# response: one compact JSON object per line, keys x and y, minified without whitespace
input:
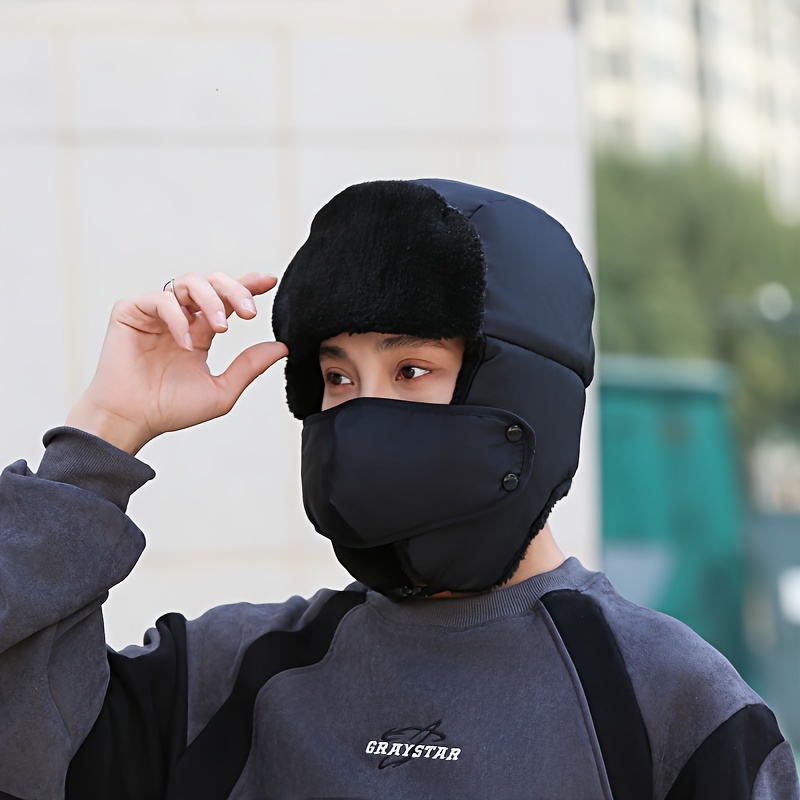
{"x":374,"y":386}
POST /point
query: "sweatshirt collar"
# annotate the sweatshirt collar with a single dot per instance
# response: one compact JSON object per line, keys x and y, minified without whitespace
{"x":465,"y":611}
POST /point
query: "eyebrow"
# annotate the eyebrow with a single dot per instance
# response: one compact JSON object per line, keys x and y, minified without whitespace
{"x":396,"y":342}
{"x":331,"y":351}
{"x":389,"y":343}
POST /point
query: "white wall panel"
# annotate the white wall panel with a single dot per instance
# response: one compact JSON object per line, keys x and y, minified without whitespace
{"x":400,"y":84}
{"x":173,"y":81}
{"x":28,"y":87}
{"x":33,"y":357}
{"x":146,"y":214}
{"x":538,"y":81}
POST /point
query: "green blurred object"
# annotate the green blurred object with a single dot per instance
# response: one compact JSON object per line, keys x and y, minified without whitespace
{"x":774,"y":614}
{"x":672,"y":521}
{"x":685,"y":251}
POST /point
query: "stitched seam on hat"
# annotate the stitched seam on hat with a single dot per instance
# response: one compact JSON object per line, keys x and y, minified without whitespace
{"x":541,"y":355}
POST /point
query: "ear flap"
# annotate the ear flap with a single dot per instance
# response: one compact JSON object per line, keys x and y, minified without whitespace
{"x":304,"y":385}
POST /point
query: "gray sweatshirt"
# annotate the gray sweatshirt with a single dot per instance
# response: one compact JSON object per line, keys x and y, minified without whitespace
{"x":553,"y":688}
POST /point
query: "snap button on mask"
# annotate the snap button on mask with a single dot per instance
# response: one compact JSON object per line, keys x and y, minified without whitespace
{"x":514,"y":433}
{"x":510,"y":482}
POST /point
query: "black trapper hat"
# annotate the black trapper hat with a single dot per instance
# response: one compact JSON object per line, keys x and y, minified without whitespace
{"x":438,"y":259}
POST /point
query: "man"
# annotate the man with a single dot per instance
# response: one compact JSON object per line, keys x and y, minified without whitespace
{"x":439,"y":345}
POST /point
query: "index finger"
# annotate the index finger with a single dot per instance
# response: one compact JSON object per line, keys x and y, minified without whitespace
{"x":258,"y":282}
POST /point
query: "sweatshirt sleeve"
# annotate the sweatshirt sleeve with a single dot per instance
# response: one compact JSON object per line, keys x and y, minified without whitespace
{"x":64,"y":541}
{"x":777,"y":778}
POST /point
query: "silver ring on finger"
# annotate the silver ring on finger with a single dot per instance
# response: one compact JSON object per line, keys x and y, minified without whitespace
{"x":169,"y":286}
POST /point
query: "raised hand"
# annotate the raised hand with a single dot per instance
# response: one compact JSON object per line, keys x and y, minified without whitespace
{"x":152,"y":376}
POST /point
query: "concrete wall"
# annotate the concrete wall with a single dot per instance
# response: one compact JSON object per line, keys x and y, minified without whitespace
{"x":140,"y":140}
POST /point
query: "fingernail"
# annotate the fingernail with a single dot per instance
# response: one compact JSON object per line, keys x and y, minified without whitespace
{"x":221,"y":320}
{"x":269,"y":275}
{"x":249,"y":305}
{"x":188,"y":341}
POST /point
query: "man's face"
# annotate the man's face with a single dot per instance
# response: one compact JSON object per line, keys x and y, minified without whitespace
{"x":385,"y":365}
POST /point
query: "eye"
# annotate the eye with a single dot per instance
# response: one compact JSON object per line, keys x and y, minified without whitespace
{"x":337,"y":379}
{"x":409,"y":372}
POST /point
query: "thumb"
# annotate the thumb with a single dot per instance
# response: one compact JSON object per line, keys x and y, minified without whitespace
{"x":246,"y":367}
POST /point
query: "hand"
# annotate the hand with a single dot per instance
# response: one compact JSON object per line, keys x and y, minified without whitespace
{"x":152,"y":376}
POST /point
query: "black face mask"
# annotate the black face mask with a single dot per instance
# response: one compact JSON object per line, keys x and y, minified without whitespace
{"x":419,"y":498}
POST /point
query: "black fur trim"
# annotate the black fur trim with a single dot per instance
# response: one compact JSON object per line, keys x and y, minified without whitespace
{"x":557,"y":494}
{"x":383,"y":257}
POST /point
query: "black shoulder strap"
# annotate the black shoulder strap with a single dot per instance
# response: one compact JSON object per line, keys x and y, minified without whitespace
{"x":141,"y":729}
{"x":213,"y":762}
{"x":609,"y":693}
{"x":727,"y":762}
{"x":137,"y":749}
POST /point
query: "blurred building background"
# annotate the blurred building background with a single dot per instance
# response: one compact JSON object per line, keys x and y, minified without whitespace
{"x":140,"y":140}
{"x":695,"y":116}
{"x":671,"y":77}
